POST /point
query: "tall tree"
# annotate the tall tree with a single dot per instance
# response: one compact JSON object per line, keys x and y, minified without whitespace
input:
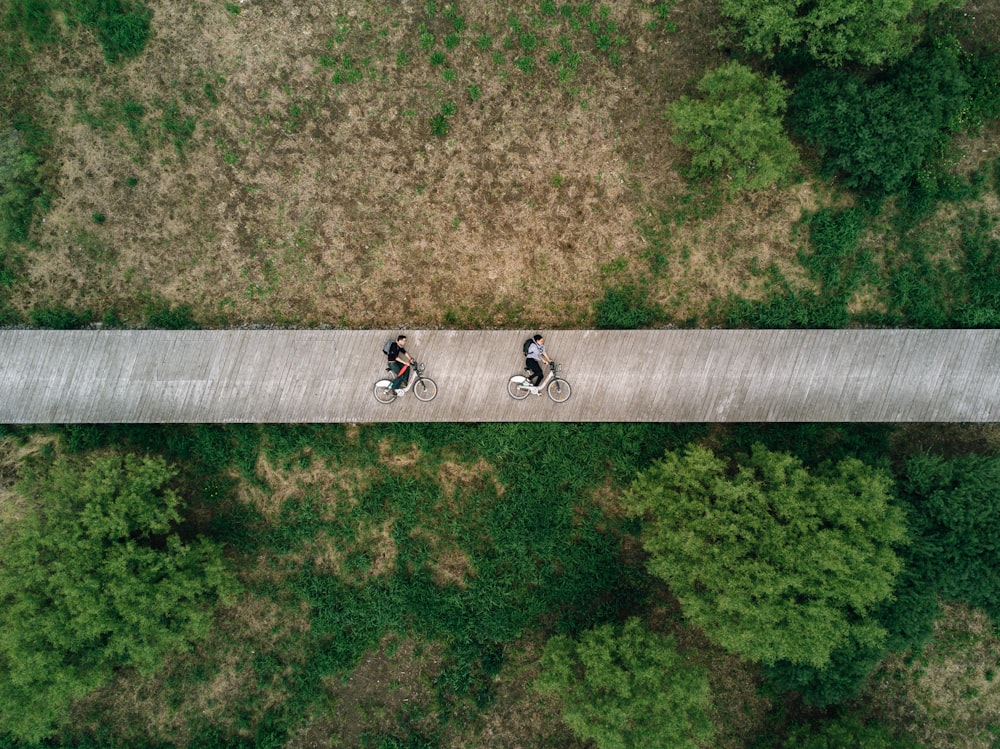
{"x":627,"y":687}
{"x":771,"y":561}
{"x":96,"y":578}
{"x":834,"y":32}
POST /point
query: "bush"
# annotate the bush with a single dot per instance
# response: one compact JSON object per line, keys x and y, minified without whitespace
{"x":627,"y":687}
{"x":880,"y":132}
{"x":20,"y":188}
{"x":955,"y":523}
{"x":165,"y":317}
{"x":847,"y":732}
{"x":58,"y":317}
{"x":833,"y":32}
{"x":625,"y":308}
{"x":123,"y":35}
{"x":735,"y":132}
{"x":96,"y":578}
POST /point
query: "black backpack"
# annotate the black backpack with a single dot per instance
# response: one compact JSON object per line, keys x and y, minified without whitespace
{"x":526,"y":345}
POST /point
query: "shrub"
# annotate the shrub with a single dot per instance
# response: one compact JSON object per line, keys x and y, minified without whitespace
{"x":166,"y":317}
{"x":879,"y":132}
{"x":833,"y":31}
{"x":20,"y":189}
{"x":734,"y":131}
{"x":955,"y":522}
{"x":624,"y":308}
{"x":96,"y":579}
{"x":123,"y":35}
{"x":627,"y":687}
{"x":59,"y":317}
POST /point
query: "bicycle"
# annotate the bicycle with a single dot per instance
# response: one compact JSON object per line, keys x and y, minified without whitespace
{"x":424,"y":388}
{"x":519,"y":387}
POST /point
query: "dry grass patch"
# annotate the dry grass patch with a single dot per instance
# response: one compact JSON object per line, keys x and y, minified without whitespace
{"x":389,"y":692}
{"x":948,"y":695}
{"x":337,"y":485}
{"x":729,"y":252}
{"x":299,"y":200}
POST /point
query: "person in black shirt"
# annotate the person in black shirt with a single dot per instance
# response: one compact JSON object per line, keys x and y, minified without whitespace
{"x":400,"y":364}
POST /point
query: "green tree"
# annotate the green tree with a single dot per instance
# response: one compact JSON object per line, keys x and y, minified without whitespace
{"x":627,"y":687}
{"x":833,"y":32}
{"x":96,"y":578}
{"x":734,"y":130}
{"x":772,"y":562}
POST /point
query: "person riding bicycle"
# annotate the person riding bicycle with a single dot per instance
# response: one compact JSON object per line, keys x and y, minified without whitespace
{"x":400,"y":365}
{"x":533,"y":361}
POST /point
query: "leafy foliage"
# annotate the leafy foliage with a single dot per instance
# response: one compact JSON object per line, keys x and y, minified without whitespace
{"x":96,"y":578}
{"x":20,"y":189}
{"x":881,"y":132}
{"x":962,"y":292}
{"x":847,"y":732}
{"x":735,"y":131}
{"x":625,"y":308}
{"x":627,"y":687}
{"x":122,"y":28}
{"x":955,"y":522}
{"x":833,"y":32}
{"x":774,"y":563}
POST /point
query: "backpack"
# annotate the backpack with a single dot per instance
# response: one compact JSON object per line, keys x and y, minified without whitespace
{"x":387,"y":346}
{"x":526,"y":345}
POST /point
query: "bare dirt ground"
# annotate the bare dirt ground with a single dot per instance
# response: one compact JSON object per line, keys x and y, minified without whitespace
{"x":301,"y":200}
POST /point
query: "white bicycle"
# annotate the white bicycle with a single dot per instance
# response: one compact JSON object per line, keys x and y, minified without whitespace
{"x":424,"y":388}
{"x":519,"y":387}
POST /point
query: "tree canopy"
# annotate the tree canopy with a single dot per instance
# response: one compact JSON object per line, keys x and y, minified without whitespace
{"x":734,"y":130}
{"x":627,"y":687}
{"x":97,"y":577}
{"x":833,"y":32}
{"x":773,"y":562}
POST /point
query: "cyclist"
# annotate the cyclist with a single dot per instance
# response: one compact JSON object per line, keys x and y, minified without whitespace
{"x":400,"y":364}
{"x":536,"y":356}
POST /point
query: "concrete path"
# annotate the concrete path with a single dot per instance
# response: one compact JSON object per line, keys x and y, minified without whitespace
{"x":668,"y":375}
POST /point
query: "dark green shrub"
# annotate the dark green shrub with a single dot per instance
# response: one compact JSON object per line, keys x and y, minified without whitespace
{"x":847,"y":732}
{"x":879,"y":132}
{"x":954,"y":519}
{"x":983,"y":75}
{"x":833,"y":32}
{"x":20,"y":187}
{"x":625,"y":308}
{"x":33,"y":18}
{"x":123,"y":35}
{"x":59,"y":317}
{"x":163,"y":316}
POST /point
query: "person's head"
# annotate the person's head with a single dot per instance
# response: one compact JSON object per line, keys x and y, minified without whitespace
{"x":539,"y":338}
{"x":401,"y":339}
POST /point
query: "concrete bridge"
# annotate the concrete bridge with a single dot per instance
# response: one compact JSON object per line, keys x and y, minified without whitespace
{"x":662,"y":375}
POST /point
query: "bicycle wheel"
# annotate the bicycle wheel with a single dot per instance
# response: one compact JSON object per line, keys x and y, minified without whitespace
{"x":425,"y":389}
{"x":383,"y":393}
{"x":559,"y":390}
{"x":514,"y":389}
